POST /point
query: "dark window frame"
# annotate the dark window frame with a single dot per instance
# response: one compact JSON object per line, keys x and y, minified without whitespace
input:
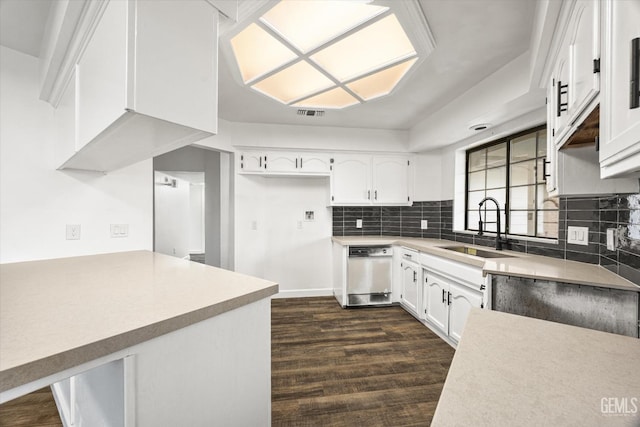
{"x":506,"y":209}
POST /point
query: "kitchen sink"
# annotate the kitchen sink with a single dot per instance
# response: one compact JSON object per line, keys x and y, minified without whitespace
{"x":476,"y":252}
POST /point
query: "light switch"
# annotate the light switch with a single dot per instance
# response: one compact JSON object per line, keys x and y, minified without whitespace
{"x":119,"y":230}
{"x":423,"y":224}
{"x":578,"y":235}
{"x":358,"y":223}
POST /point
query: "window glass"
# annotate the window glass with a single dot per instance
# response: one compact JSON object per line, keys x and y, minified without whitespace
{"x":523,"y":173}
{"x":477,"y":160}
{"x":477,"y":180}
{"x":523,"y":148}
{"x":496,"y":155}
{"x":497,"y":177}
{"x":523,"y":197}
{"x":512,"y":172}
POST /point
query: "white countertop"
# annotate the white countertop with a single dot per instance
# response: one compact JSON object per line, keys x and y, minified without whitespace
{"x":514,"y":370}
{"x":56,"y":314}
{"x":519,"y":265}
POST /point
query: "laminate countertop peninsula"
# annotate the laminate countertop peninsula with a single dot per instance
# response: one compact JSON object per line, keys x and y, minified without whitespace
{"x":514,"y":370}
{"x":60,"y":313}
{"x":517,"y":264}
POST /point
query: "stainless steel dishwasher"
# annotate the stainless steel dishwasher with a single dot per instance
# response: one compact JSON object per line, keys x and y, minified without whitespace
{"x":369,"y":275}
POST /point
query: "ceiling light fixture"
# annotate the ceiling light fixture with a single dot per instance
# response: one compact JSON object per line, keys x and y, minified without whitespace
{"x":326,"y":54}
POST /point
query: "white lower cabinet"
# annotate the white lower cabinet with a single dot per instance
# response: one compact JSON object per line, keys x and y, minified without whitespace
{"x":447,"y":303}
{"x":409,"y":293}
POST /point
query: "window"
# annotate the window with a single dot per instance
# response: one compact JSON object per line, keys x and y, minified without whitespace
{"x":511,"y":170}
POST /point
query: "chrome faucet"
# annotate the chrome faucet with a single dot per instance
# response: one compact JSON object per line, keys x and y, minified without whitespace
{"x":499,"y":240}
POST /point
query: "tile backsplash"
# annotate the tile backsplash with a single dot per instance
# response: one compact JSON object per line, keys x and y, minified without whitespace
{"x":598,"y":213}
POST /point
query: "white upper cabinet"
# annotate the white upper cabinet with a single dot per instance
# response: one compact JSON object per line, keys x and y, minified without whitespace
{"x":390,"y":180}
{"x":575,"y":75}
{"x":284,"y":163}
{"x":619,"y":110}
{"x":351,"y":180}
{"x":583,"y":44}
{"x":358,"y":179}
{"x":143,"y":76}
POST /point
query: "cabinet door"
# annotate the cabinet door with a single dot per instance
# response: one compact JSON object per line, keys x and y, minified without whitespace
{"x":315,"y":163}
{"x":619,"y":122}
{"x":350,"y":180}
{"x":390,"y":180}
{"x":281,"y":162}
{"x":584,"y":48}
{"x":437,"y":310}
{"x":410,"y":282}
{"x":102,"y":74}
{"x":252,"y":162}
{"x":461,"y":300}
{"x":552,"y":155}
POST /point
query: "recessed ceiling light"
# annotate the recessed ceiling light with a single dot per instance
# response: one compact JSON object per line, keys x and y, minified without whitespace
{"x":480,"y":126}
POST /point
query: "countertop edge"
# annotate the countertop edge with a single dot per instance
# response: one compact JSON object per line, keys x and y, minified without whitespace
{"x":476,"y":262}
{"x":24,"y":374}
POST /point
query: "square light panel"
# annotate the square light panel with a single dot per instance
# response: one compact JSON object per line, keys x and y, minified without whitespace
{"x":294,"y":82}
{"x":311,"y":23}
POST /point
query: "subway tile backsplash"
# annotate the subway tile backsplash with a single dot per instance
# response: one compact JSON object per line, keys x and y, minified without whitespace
{"x":599,"y":213}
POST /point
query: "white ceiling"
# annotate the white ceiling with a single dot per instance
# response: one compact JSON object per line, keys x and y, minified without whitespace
{"x":474,"y":38}
{"x":22,"y":24}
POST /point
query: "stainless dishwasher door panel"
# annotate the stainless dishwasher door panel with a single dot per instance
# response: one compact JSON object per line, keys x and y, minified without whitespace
{"x":369,"y":275}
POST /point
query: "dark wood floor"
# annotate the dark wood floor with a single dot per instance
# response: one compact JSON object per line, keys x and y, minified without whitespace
{"x":368,"y":366}
{"x":330,"y":367}
{"x":37,"y":409}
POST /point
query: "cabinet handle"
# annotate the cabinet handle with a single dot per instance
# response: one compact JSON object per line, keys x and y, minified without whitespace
{"x":415,"y":277}
{"x":261,"y":161}
{"x":448,"y":298}
{"x":368,"y":194}
{"x":562,"y":90}
{"x":300,"y":162}
{"x":635,"y":74}
{"x":265,"y":162}
{"x":444,"y":298}
{"x":545,"y":175}
{"x":296,"y":163}
{"x":375,"y":194}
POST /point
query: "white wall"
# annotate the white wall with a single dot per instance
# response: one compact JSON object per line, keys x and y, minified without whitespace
{"x":172,"y":216}
{"x":284,"y":247}
{"x":37,"y":201}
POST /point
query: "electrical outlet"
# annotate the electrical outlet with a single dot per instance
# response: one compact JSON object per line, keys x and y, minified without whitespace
{"x":423,"y":224}
{"x":73,"y":231}
{"x":578,"y":235}
{"x":358,"y":223}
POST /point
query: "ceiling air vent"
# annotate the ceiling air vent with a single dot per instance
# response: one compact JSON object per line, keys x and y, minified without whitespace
{"x":311,"y":113}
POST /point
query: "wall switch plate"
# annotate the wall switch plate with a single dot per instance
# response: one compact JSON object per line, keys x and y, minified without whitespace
{"x":423,"y":224}
{"x":612,"y":239}
{"x":254,"y":225}
{"x":119,"y":230}
{"x":358,"y":223}
{"x":73,"y":231}
{"x":578,"y":235}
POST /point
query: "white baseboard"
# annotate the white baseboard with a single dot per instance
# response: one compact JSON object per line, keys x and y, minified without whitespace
{"x":304,"y":293}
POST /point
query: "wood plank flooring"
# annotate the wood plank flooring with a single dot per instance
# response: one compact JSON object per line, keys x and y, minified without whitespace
{"x":330,"y":367}
{"x":369,"y":366}
{"x":37,"y":409}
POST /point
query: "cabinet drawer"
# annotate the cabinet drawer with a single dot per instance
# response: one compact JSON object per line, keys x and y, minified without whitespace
{"x":466,"y":274}
{"x":409,"y":254}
